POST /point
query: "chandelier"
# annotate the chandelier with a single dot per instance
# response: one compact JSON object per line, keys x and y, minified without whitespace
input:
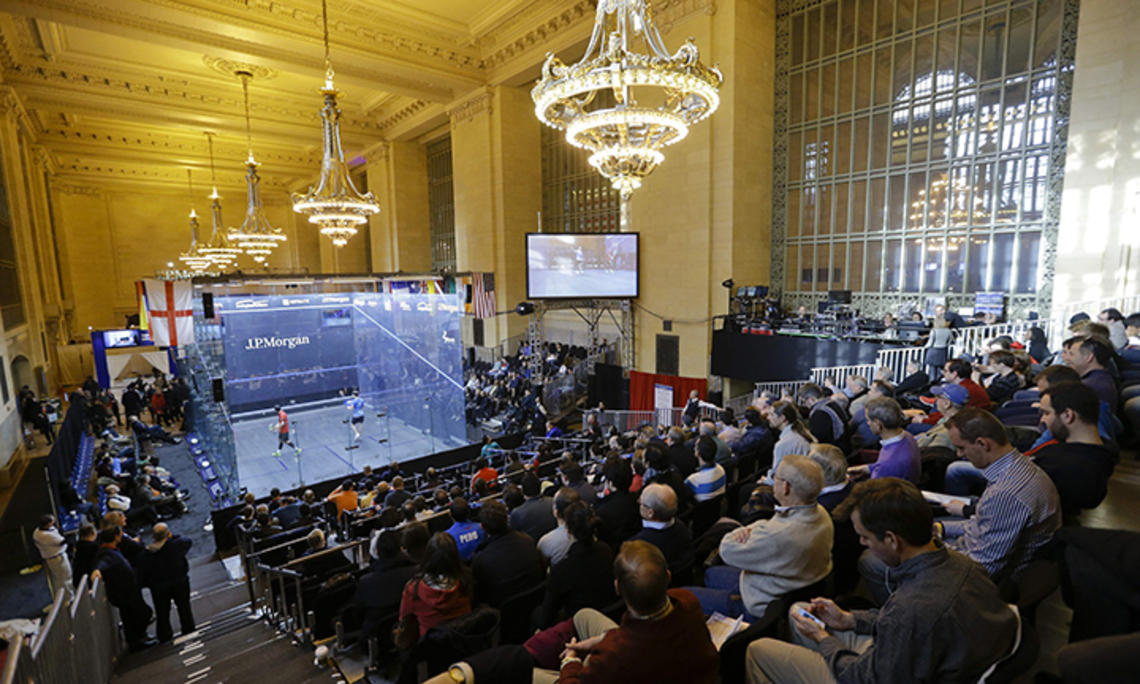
{"x":221,"y":252}
{"x":255,"y":236}
{"x":657,"y":96}
{"x":193,"y":259}
{"x":334,"y":204}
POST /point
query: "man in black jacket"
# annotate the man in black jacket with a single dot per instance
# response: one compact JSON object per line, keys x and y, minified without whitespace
{"x":379,"y":590}
{"x":661,"y":528}
{"x":618,"y":511}
{"x":507,"y":562}
{"x":85,"y":551}
{"x":168,"y":576}
{"x":123,"y":589}
{"x":535,"y":516}
{"x":683,"y":458}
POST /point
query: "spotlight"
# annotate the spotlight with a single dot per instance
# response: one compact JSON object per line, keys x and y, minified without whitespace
{"x":728,"y":283}
{"x":524,"y":308}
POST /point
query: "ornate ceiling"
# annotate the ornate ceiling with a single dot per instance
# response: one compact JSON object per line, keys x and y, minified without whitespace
{"x":123,"y":89}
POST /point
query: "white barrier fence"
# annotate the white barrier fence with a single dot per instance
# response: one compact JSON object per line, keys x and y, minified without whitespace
{"x":1061,"y":314}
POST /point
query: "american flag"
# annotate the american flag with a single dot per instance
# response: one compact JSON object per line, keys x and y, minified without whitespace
{"x":483,"y":295}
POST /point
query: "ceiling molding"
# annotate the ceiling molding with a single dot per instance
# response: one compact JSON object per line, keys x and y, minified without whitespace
{"x":415,"y":63}
{"x":67,"y":188}
{"x":404,"y":113}
{"x":481,"y":101}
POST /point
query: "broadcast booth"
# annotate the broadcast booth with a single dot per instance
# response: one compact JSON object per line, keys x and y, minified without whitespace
{"x":307,"y":346}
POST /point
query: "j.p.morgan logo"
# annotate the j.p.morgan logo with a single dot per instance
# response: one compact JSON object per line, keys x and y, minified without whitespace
{"x":254,"y":343}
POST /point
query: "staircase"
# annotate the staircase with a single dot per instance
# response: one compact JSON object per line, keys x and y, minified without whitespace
{"x":230,"y":645}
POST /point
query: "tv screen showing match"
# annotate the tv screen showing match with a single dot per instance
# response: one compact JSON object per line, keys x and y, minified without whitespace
{"x":582,"y":265}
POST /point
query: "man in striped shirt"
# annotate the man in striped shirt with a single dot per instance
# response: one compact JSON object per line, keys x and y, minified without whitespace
{"x":709,"y":479}
{"x":1015,"y":517}
{"x":1019,"y":510}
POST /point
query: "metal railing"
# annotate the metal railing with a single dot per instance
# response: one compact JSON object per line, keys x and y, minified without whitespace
{"x":282,"y":590}
{"x":77,"y":642}
{"x":837,"y":375}
{"x":1062,"y":313}
{"x":972,"y":340}
{"x":782,"y":388}
{"x":896,"y":359}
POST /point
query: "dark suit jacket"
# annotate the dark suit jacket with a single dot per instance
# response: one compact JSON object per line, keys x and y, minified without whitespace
{"x":683,"y":459}
{"x":381,"y":587}
{"x":505,"y":565}
{"x":535,"y":517}
{"x":675,"y":541}
{"x":131,"y":550}
{"x":119,"y":577}
{"x":621,"y":518}
{"x":84,"y":563}
{"x":583,"y":579}
{"x":167,"y":565}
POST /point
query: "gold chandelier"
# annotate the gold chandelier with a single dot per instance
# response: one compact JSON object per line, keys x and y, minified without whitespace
{"x":334,"y":204}
{"x":658,"y":96}
{"x":221,"y":252}
{"x":193,"y":259}
{"x":256,"y":236}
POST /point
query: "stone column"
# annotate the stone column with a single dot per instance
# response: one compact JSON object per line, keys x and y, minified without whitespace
{"x":497,"y":170}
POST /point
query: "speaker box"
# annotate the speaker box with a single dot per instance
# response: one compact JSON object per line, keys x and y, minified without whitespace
{"x":668,"y":354}
{"x":208,"y":304}
{"x":477,"y":331}
{"x":219,"y":389}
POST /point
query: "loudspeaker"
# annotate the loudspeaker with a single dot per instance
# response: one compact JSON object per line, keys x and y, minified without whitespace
{"x":219,"y":389}
{"x":668,"y":354}
{"x":208,"y":304}
{"x":477,"y":331}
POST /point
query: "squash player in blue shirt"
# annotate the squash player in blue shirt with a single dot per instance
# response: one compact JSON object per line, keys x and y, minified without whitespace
{"x":356,"y":406}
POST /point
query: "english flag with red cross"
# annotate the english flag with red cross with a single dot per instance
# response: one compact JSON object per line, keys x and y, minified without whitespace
{"x":170,"y":308}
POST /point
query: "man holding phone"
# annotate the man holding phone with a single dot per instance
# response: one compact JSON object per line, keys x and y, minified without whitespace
{"x":944,"y":622}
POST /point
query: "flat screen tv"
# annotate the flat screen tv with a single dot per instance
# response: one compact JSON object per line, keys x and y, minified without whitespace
{"x":120,"y":338}
{"x":582,"y":265}
{"x":989,"y":303}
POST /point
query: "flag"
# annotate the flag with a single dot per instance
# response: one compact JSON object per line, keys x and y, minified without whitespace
{"x":483,"y":295}
{"x":170,"y":309}
{"x":140,"y":294}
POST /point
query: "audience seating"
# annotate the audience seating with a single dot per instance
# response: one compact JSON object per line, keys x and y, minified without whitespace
{"x":772,"y":624}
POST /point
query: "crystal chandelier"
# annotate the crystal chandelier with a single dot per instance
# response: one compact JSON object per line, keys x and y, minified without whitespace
{"x":334,"y":203}
{"x":192,"y":259}
{"x":221,"y":252}
{"x":255,"y":236}
{"x":658,"y":96}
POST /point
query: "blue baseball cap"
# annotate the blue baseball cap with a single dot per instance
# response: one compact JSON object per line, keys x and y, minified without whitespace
{"x":957,"y":394}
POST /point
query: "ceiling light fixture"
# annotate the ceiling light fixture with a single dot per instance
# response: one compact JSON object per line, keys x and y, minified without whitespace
{"x":256,"y":235}
{"x":193,"y":259}
{"x":219,"y":249}
{"x":334,"y":204}
{"x":658,"y":96}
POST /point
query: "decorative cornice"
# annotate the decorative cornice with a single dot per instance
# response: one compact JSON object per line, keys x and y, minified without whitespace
{"x":530,"y":30}
{"x":466,"y":110}
{"x":66,"y":188}
{"x":406,"y":112}
{"x":296,"y":22}
{"x":669,"y":12}
{"x":375,"y":154}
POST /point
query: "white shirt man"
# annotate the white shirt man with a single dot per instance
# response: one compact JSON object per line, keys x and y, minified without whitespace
{"x":53,"y":550}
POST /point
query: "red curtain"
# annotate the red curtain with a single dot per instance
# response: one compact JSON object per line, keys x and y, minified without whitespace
{"x":641,"y":387}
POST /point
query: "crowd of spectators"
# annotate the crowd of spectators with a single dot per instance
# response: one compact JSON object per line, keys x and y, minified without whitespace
{"x":954,"y":488}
